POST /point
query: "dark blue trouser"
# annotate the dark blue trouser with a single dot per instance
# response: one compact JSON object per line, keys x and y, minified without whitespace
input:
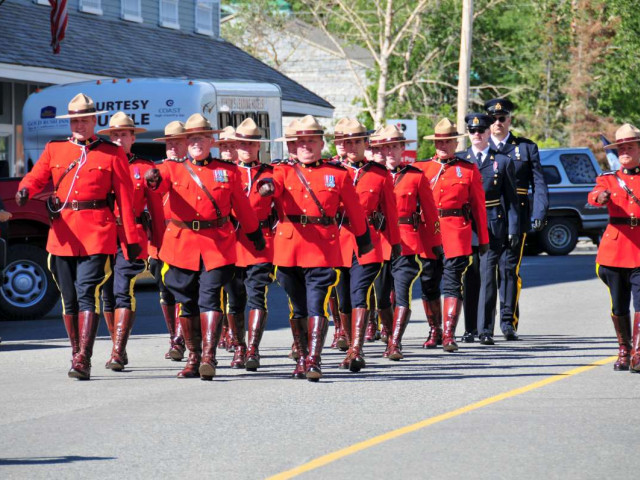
{"x":405,"y":270}
{"x":155,"y":267}
{"x":383,"y":286}
{"x":355,"y":285}
{"x":430,"y":278}
{"x":454,"y":269}
{"x":249,"y":287}
{"x":510,"y":283}
{"x":623,"y":284}
{"x":308,"y":289}
{"x":117,"y":292}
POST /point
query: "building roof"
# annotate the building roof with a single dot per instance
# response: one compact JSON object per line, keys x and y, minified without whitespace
{"x":125,"y":49}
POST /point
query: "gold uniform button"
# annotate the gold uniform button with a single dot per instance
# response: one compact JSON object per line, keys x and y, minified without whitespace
{"x":289,"y":188}
{"x":304,"y":210}
{"x":76,"y":192}
{"x":197,"y":214}
{"x":371,"y":190}
{"x":175,"y":183}
{"x":306,"y":196}
{"x":199,"y":198}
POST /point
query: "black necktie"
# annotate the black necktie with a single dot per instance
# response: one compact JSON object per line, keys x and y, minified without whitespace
{"x":500,"y":145}
{"x":479,"y":158}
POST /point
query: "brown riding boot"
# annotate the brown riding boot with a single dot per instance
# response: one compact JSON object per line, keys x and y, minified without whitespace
{"x":345,"y":338}
{"x":124,"y":319}
{"x":386,"y":321}
{"x":193,"y":339}
{"x":372,"y":333}
{"x":176,"y":342}
{"x":178,"y":348}
{"x":223,"y":343}
{"x":71,"y":325}
{"x":355,"y":357}
{"x":401,"y":318}
{"x":317,"y":329}
{"x":257,"y":324}
{"x":451,"y":315}
{"x":109,"y":320}
{"x":299,"y":344}
{"x":236,"y":339}
{"x":622,"y":326}
{"x":88,"y":327}
{"x":211,"y":328}
{"x":335,"y":316}
{"x":433,"y":310}
{"x":634,"y":364}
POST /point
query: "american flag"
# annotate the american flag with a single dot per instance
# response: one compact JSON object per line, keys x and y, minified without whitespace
{"x":59,"y":20}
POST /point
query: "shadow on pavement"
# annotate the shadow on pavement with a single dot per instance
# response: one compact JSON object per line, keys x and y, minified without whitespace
{"x":49,"y":460}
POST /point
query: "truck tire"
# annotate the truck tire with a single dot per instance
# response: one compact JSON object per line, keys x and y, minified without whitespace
{"x":27,"y":290}
{"x":559,"y":236}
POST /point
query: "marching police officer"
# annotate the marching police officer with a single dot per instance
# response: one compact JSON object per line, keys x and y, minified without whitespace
{"x":199,"y":241}
{"x":176,"y":147}
{"x":374,"y":189}
{"x":307,"y":245}
{"x":459,"y":198}
{"x":618,"y":259}
{"x":254,"y":269}
{"x":498,"y":181}
{"x":526,"y":159}
{"x":117,"y":292}
{"x":83,"y":235}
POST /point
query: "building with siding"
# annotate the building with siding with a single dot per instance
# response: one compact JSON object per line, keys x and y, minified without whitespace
{"x":122,"y":39}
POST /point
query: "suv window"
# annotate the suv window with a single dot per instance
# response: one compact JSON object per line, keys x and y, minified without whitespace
{"x":579,"y":168}
{"x":551,"y":175}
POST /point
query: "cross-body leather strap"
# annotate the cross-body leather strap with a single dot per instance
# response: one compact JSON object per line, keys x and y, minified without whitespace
{"x":201,"y":185}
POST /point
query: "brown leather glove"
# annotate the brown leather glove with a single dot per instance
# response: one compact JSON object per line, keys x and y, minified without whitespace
{"x":133,"y":251}
{"x":396,"y":251}
{"x":265,"y":187}
{"x":603,"y":197}
{"x":484,"y":248}
{"x":22,"y":196}
{"x":153,"y":178}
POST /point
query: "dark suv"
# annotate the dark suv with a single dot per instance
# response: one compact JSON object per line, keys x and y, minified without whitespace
{"x":570,"y":174}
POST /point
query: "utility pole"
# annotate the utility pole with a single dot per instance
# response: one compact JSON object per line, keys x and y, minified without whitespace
{"x":464,"y":67}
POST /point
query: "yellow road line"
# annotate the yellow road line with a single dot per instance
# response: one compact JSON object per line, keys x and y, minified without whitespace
{"x":385,"y":437}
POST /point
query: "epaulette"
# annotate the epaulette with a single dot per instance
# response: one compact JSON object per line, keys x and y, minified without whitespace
{"x":177,"y":160}
{"x":411,"y":168}
{"x":336,"y":165}
{"x":610,"y":172}
{"x":464,"y":156}
{"x":518,"y":140}
{"x":58,"y":140}
{"x":107,"y":142}
{"x":377,"y":165}
{"x":329,"y":161}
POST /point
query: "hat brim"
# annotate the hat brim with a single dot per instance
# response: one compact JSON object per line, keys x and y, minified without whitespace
{"x":168,"y":137}
{"x":433,"y":137}
{"x":199,"y":132}
{"x":350,"y":137}
{"x":241,"y":139}
{"x":78,"y":115}
{"x":388,"y":142}
{"x":617,"y":144}
{"x":134,"y":130}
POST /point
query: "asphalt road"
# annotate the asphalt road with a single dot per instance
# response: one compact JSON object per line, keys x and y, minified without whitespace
{"x":528,"y":409}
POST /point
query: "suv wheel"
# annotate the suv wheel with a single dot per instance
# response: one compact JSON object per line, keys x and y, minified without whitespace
{"x":27,"y":289}
{"x":559,"y":236}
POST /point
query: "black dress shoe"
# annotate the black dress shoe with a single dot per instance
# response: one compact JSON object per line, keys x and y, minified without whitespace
{"x":509,"y":333}
{"x":467,"y":337}
{"x":486,"y":339}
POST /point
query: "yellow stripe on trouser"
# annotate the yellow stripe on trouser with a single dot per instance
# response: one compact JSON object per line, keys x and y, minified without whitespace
{"x":325,"y":306}
{"x":53,"y":275}
{"x":107,"y":274}
{"x":518,"y":283}
{"x":414,"y":279}
{"x":463,"y":274}
{"x":605,"y":283}
{"x":132,"y":284}
{"x":374,"y":291}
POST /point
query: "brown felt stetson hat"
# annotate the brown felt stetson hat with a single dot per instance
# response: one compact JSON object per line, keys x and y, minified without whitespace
{"x":196,"y":123}
{"x":445,"y":130}
{"x":627,"y":133}
{"x":387,"y":135}
{"x":248,"y":131}
{"x":349,"y":128}
{"x":226,"y":135}
{"x":121,"y":121}
{"x":308,"y":126}
{"x":171,"y":130}
{"x":81,"y":106}
{"x":289,"y":132}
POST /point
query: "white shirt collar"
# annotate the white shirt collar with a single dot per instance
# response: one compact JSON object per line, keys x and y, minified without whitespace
{"x":496,"y":141}
{"x":475,"y":151}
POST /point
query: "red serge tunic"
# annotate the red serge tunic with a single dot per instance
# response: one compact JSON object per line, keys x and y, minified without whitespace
{"x":313,"y":245}
{"x":455,"y":184}
{"x":620,"y":244}
{"x":166,"y":212}
{"x":374,"y":189}
{"x":102,"y":170}
{"x":262,"y":206}
{"x":183,"y":247}
{"x":430,"y":227}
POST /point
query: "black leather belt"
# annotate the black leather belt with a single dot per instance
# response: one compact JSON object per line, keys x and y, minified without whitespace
{"x":451,"y":212}
{"x":86,"y":204}
{"x":196,"y":225}
{"x":372,"y":219}
{"x":138,"y":220}
{"x":308,"y":219}
{"x":406,"y":220}
{"x":265,"y":223}
{"x":631,"y":221}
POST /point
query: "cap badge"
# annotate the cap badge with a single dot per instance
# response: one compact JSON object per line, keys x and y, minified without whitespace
{"x":476,"y":121}
{"x":498,"y":106}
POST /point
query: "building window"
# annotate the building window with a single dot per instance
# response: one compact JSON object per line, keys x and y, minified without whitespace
{"x":204,"y":17}
{"x":131,"y":10}
{"x":91,"y":6}
{"x":169,"y":14}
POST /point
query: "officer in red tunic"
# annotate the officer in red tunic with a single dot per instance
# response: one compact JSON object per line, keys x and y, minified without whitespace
{"x":618,"y":259}
{"x":199,"y":242}
{"x":307,"y":244}
{"x":84,"y":170}
{"x":459,"y":198}
{"x":254,"y":269}
{"x":119,"y":302}
{"x":176,"y":147}
{"x":374,"y":188}
{"x":415,"y":206}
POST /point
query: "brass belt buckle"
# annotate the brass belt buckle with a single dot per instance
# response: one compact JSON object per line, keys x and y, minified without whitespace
{"x":304,"y":219}
{"x":74,"y":205}
{"x":195,"y":225}
{"x":634,"y":221}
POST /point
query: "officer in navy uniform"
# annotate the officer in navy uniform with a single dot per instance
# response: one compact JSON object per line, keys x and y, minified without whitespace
{"x":501,"y":200}
{"x":524,"y":154}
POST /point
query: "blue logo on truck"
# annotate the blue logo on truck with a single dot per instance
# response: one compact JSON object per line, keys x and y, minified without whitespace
{"x":48,"y":112}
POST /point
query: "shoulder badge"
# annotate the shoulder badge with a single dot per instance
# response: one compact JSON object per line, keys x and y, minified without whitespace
{"x":177,"y":160}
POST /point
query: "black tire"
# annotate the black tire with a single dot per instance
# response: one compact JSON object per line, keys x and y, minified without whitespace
{"x":28,"y":290}
{"x":559,"y":236}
